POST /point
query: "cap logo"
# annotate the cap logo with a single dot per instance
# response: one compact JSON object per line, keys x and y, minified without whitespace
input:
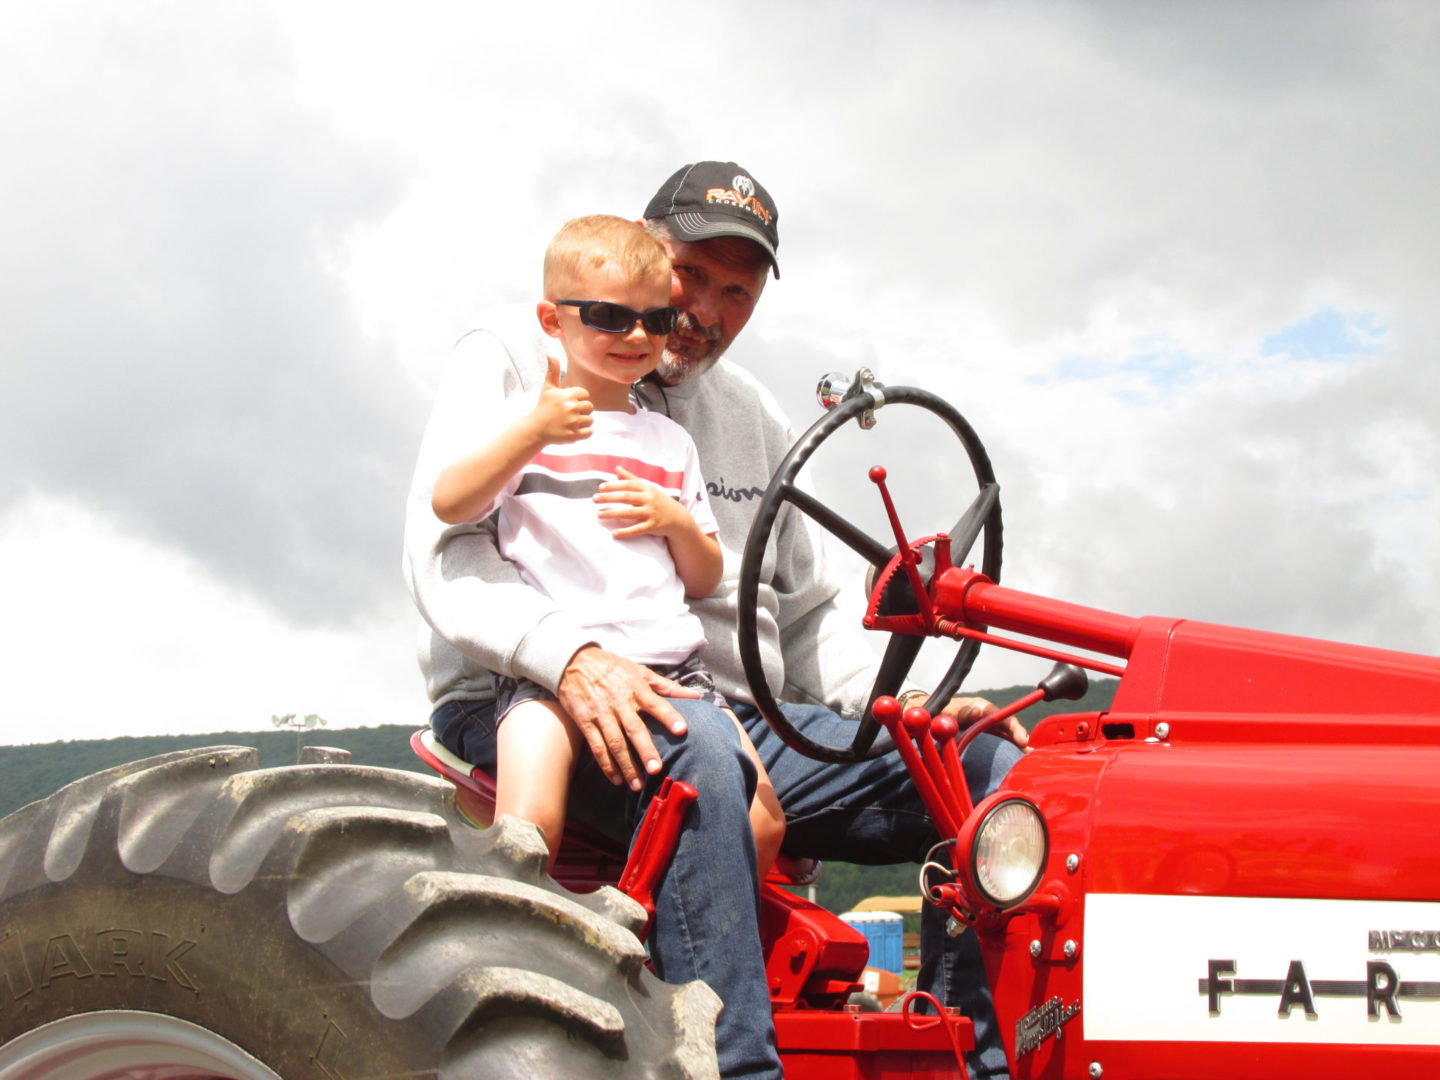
{"x":741,"y":194}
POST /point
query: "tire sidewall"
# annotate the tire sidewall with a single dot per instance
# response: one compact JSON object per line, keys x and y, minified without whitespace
{"x":230,"y":964}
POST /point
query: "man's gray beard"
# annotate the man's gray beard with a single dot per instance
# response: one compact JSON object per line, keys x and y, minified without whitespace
{"x":674,"y":369}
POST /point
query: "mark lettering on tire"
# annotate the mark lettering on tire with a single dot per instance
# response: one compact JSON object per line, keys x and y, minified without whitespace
{"x":106,"y":954}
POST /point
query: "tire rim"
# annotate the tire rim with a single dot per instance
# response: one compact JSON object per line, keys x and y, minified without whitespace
{"x":126,"y":1045}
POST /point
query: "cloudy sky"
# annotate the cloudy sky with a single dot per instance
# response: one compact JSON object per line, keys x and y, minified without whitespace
{"x":1176,"y":262}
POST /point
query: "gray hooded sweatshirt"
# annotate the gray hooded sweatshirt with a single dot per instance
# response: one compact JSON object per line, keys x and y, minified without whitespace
{"x":479,"y":617}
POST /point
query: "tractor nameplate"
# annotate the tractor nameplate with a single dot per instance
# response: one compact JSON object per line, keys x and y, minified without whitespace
{"x":1043,"y":1022}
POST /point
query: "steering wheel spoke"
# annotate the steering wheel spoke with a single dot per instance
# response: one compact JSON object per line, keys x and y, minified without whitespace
{"x":977,"y":515}
{"x":849,"y":534}
{"x":900,"y":653}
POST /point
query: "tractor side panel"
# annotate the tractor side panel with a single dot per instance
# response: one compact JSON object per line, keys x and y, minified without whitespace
{"x":1241,"y":910}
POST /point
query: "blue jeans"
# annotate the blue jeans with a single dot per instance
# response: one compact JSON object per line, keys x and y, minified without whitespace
{"x":707,"y":917}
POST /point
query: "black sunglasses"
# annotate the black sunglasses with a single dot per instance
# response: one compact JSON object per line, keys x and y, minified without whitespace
{"x":619,"y":319}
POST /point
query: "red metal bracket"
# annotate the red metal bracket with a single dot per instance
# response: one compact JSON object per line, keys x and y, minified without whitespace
{"x":655,"y":844}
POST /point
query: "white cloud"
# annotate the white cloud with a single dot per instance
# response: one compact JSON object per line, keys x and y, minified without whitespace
{"x":107,"y":634}
{"x":183,"y":353}
{"x":244,"y":235}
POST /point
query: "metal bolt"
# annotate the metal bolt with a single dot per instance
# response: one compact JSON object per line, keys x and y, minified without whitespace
{"x":1096,"y":1071}
{"x":1072,"y":863}
{"x":1162,"y":730}
{"x":954,"y":927}
{"x":1035,"y":949}
{"x":1070,"y":950}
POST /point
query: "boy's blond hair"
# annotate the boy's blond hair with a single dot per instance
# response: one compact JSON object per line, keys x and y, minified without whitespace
{"x":588,"y":243}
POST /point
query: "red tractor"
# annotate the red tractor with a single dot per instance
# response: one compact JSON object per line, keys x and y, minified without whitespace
{"x":1232,"y":872}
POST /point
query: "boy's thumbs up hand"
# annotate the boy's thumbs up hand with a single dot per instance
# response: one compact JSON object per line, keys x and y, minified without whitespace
{"x":563,"y":412}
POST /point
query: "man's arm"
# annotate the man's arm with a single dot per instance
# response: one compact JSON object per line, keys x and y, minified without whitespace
{"x":484,"y":617}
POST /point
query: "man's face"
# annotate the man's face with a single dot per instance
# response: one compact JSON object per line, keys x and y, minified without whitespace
{"x":715,"y":284}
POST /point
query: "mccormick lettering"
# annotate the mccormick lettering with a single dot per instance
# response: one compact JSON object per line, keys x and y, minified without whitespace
{"x":1405,"y":940}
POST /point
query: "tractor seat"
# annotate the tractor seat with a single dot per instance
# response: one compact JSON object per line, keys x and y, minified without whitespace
{"x":588,"y":857}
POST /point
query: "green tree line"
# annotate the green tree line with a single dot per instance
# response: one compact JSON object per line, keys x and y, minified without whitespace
{"x":28,"y":773}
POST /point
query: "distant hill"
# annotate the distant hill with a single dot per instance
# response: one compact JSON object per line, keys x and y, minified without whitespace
{"x":28,"y":773}
{"x":1096,"y":699}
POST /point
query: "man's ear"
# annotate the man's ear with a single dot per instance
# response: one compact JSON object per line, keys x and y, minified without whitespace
{"x":549,"y":317}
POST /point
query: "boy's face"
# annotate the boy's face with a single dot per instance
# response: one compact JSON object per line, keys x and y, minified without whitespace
{"x":600,"y":355}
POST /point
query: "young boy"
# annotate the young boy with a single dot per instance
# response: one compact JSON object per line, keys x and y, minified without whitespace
{"x":625,"y":568}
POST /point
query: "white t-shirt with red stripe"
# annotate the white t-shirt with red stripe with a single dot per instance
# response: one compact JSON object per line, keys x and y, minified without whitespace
{"x":625,"y":592}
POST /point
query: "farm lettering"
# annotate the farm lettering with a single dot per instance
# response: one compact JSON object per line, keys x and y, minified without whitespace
{"x":1382,"y":988}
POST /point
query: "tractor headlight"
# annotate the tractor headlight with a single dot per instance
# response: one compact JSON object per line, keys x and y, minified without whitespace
{"x":1009,"y":851}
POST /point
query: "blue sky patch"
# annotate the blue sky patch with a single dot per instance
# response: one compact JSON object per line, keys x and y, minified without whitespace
{"x":1081,"y":369}
{"x":1162,"y":367}
{"x":1329,"y":335}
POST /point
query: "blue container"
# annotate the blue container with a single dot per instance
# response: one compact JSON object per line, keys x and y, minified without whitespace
{"x":885,"y":931}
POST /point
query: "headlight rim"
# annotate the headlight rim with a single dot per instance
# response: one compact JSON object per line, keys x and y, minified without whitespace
{"x":973,"y":852}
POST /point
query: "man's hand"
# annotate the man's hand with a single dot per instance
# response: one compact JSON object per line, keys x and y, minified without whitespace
{"x":604,"y":695}
{"x":967,"y":710}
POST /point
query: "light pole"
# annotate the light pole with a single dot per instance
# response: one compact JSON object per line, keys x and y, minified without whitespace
{"x":299,"y":725}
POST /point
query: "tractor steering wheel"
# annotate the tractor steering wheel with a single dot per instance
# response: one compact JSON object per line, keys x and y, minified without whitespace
{"x":902,"y":649}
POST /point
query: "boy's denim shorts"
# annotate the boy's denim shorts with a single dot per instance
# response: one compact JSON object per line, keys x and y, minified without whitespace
{"x":690,"y":673}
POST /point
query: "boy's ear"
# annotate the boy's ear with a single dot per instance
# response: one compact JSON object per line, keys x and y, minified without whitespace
{"x":549,"y":317}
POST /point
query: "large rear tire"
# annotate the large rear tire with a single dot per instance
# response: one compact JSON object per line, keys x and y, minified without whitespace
{"x":329,"y":921}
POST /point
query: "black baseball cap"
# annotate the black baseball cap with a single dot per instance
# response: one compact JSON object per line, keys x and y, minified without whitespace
{"x":718,"y":198}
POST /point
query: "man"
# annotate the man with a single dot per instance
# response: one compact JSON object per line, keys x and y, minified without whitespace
{"x":719,"y":228}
